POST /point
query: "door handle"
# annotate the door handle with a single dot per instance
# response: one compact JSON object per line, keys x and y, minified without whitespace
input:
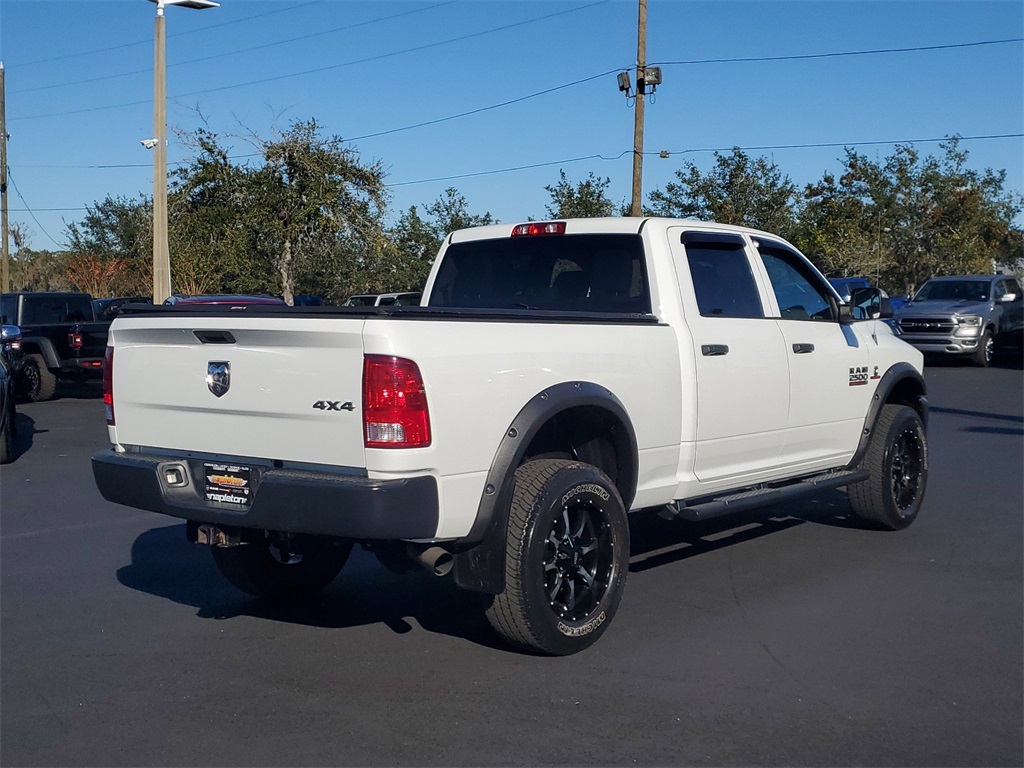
{"x":714,"y":350}
{"x":803,"y":349}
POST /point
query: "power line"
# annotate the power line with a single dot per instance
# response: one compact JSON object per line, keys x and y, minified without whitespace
{"x":414,"y":49}
{"x":826,"y":145}
{"x":241,"y":50}
{"x":149,"y":41}
{"x":31,"y":213}
{"x":837,"y":54}
{"x":320,"y":69}
{"x":765,"y":147}
{"x":569,"y":160}
{"x":713,"y":149}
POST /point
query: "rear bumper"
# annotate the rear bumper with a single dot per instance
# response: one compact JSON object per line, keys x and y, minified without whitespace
{"x":87,"y":366}
{"x":294,"y":501}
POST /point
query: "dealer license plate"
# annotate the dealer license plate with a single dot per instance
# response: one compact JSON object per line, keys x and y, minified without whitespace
{"x":228,"y":484}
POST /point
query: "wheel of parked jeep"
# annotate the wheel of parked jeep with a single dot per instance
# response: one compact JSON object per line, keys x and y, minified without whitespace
{"x":566,"y":558}
{"x":986,"y":350}
{"x":897,"y":461}
{"x":273,"y":569}
{"x":37,"y":381}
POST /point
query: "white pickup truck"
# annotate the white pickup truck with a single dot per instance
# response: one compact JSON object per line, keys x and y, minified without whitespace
{"x":557,"y":375}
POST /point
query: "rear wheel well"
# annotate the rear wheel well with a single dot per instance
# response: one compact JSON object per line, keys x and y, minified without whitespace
{"x":590,"y":434}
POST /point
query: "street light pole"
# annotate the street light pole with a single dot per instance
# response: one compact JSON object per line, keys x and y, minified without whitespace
{"x":161,"y":250}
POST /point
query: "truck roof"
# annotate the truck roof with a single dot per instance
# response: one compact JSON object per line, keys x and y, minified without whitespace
{"x":607,"y":225}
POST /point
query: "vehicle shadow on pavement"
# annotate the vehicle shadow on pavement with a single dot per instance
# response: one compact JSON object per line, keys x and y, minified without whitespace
{"x":655,"y":541}
{"x":164,"y":564}
{"x":26,"y":430}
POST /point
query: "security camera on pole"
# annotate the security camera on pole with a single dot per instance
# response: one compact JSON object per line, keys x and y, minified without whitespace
{"x":161,"y":251}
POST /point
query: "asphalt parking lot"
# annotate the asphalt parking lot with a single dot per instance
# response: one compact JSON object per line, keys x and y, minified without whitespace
{"x":787,"y":637}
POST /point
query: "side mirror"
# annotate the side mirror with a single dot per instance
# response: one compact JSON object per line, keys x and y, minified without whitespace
{"x":10,"y":342}
{"x":1006,"y":297}
{"x":870,"y":304}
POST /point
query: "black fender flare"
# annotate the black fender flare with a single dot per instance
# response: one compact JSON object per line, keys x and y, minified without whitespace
{"x":482,"y":567}
{"x":902,"y":375}
{"x":46,"y":348}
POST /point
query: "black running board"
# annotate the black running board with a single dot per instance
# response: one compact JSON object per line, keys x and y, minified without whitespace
{"x":704,"y":509}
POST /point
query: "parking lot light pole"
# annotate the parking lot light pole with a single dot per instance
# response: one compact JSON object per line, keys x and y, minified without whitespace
{"x":161,"y":250}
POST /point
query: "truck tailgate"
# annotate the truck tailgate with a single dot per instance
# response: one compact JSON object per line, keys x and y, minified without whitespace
{"x":286,"y":388}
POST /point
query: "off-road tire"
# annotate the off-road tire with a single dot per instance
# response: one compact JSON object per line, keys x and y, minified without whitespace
{"x":567,"y":530}
{"x":897,"y":460}
{"x":982,"y":357}
{"x":37,"y":381}
{"x":261,"y":569}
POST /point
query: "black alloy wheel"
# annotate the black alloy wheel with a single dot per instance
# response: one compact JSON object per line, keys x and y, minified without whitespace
{"x":906,"y":462}
{"x":578,"y":559}
{"x":567,"y":556}
{"x":897,"y":466}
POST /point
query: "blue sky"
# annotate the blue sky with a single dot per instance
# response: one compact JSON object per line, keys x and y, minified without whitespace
{"x":79,"y":89}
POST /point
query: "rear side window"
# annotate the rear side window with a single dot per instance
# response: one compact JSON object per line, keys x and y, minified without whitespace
{"x":43,"y":310}
{"x":9,"y":309}
{"x":722,"y":281}
{"x":582,"y":273}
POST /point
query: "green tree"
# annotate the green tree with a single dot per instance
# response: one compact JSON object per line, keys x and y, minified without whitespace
{"x":122,"y":228}
{"x":742,"y":190}
{"x":451,"y":211}
{"x":211,"y":242}
{"x":404,"y":262}
{"x":416,"y":242}
{"x":585,"y":199}
{"x":906,"y":218}
{"x":311,"y":185}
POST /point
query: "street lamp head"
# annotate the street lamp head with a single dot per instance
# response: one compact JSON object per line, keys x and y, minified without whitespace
{"x":198,"y":4}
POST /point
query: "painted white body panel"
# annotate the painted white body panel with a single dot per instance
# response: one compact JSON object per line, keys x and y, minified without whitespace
{"x":702,"y":424}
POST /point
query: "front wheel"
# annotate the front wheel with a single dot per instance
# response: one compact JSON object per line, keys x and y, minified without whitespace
{"x":566,"y":559}
{"x":897,"y":463}
{"x":277,"y":567}
{"x":982,"y":358}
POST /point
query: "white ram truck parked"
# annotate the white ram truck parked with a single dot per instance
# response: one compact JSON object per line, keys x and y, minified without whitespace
{"x":556,"y":376}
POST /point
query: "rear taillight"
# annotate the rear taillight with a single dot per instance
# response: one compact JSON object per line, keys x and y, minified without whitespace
{"x":394,"y":404}
{"x":108,"y":384}
{"x":75,"y":340}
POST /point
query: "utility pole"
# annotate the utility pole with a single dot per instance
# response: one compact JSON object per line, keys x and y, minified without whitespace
{"x":638,"y":115}
{"x":3,"y":184}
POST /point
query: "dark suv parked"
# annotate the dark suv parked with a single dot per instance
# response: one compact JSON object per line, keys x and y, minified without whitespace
{"x":59,"y":339}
